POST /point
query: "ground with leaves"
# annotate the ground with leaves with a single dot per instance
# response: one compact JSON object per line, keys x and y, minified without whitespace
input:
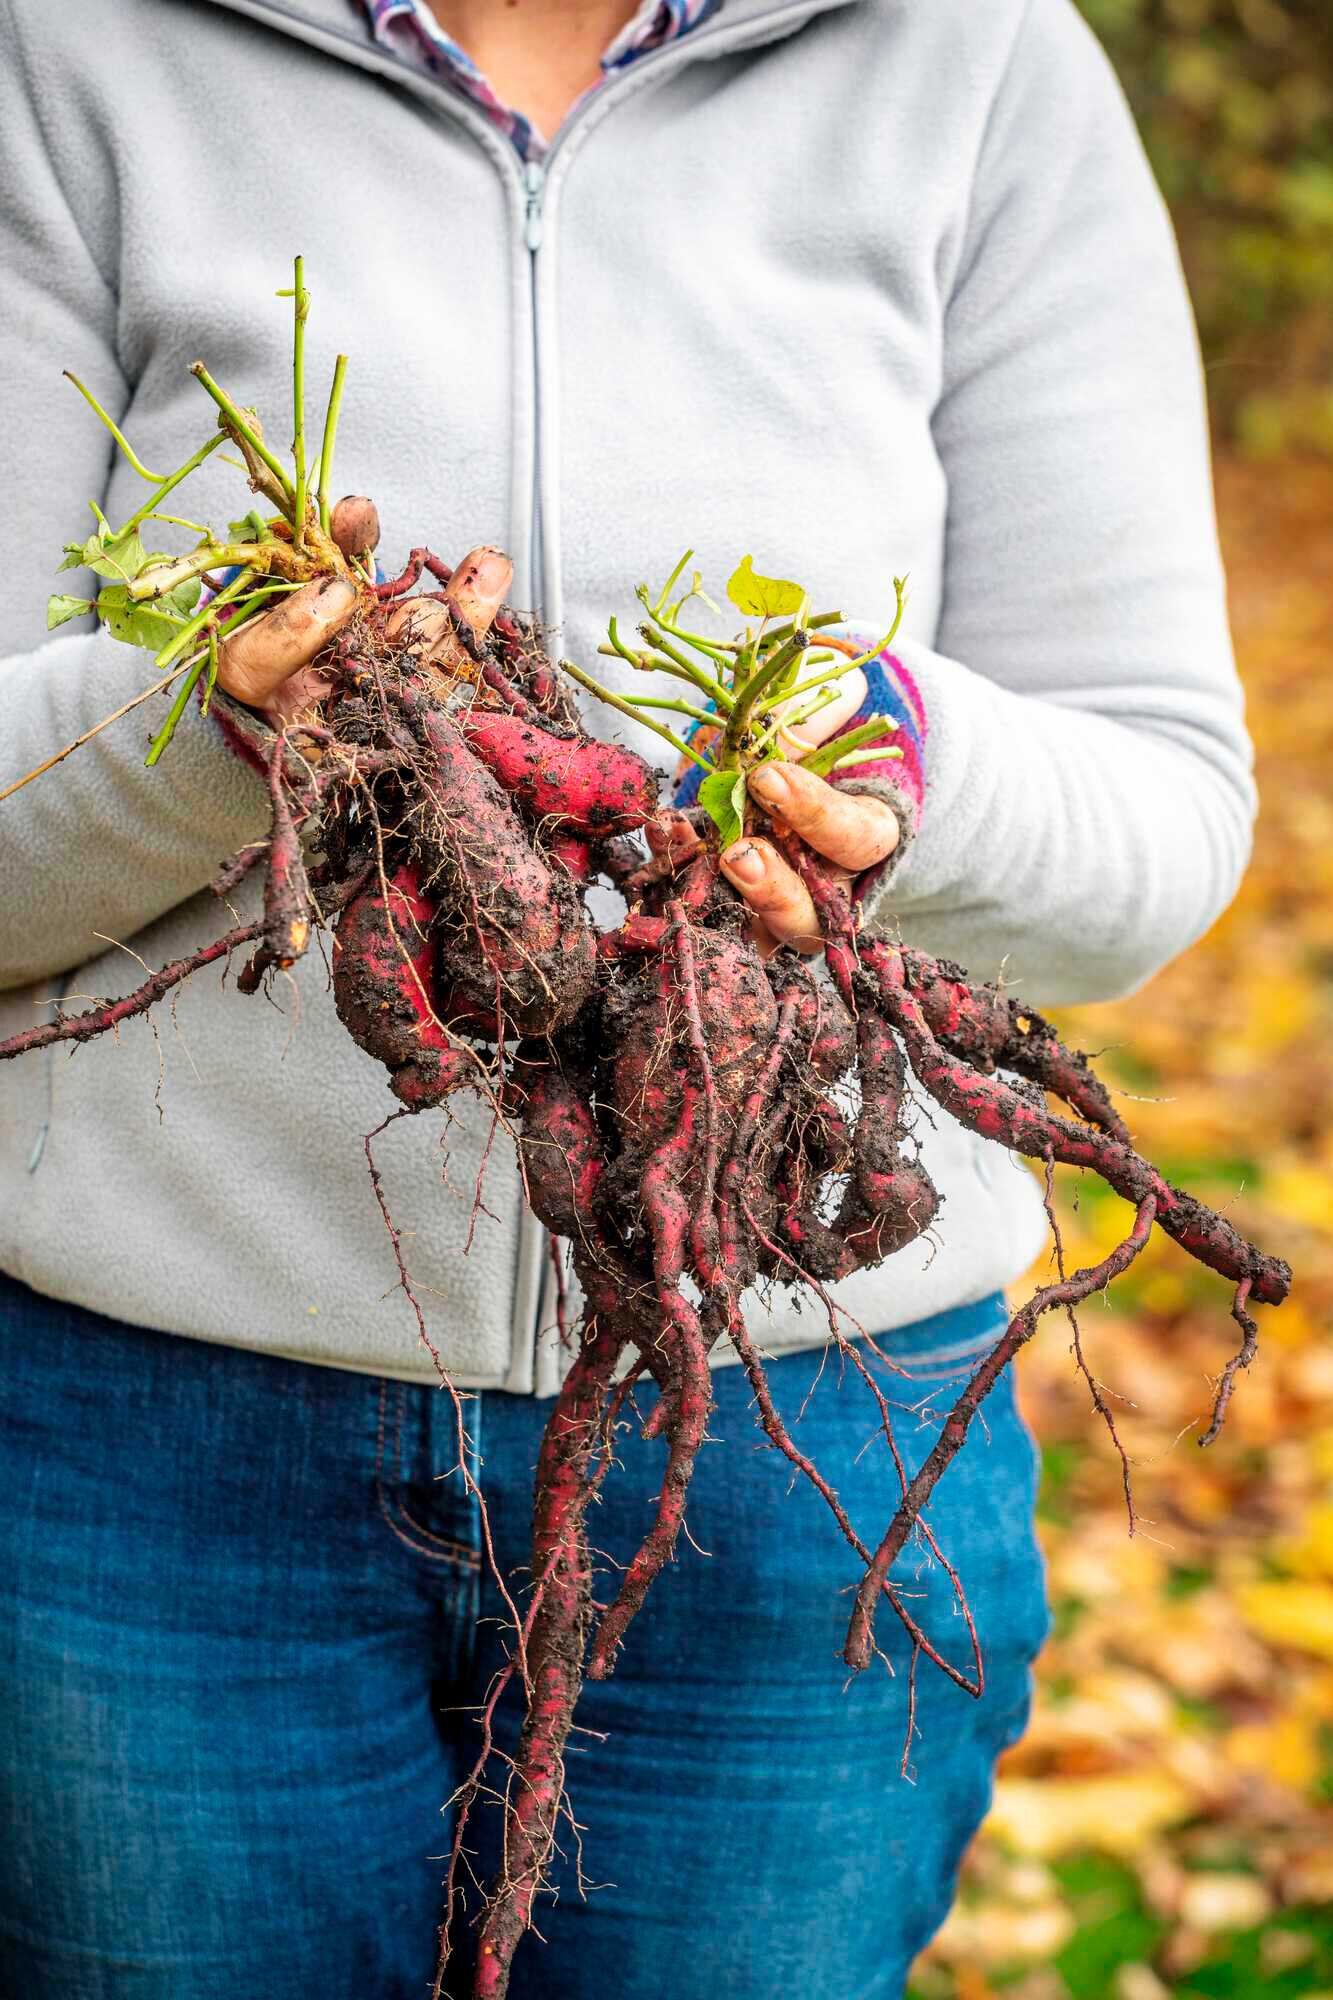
{"x":1165,"y":1827}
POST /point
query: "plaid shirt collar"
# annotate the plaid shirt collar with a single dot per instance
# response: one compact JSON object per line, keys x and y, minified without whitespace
{"x":411,"y":30}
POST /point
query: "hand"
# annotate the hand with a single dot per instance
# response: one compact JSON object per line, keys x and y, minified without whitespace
{"x":475,"y":592}
{"x":852,"y":830}
{"x":267,"y":663}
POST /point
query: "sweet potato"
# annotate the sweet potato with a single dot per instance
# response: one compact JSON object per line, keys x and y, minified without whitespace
{"x":515,"y":939}
{"x":570,"y":783}
{"x":382,"y":988}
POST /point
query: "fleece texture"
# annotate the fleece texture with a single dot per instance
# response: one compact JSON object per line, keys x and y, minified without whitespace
{"x":863,"y":287}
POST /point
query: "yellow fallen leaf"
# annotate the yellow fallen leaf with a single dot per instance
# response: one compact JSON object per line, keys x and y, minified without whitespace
{"x":1293,"y":1614}
{"x":1221,"y":1902}
{"x":994,"y":1935}
{"x":1302,"y":1192}
{"x":1288,"y":1749}
{"x":1115,"y":1812}
{"x":1311,"y":1552}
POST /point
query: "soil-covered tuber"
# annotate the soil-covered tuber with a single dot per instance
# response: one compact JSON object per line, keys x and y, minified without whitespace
{"x":691,"y":1117}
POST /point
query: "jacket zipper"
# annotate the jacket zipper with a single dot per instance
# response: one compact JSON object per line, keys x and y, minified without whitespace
{"x":533,"y":1254}
{"x":534,"y":188}
{"x":532,"y":180}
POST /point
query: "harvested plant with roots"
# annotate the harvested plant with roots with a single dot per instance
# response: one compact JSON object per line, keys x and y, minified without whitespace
{"x":691,"y":1118}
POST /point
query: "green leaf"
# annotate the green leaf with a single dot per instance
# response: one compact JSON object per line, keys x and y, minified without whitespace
{"x":145,"y":625}
{"x":757,"y":596}
{"x":59,"y":610}
{"x":118,"y":558}
{"x":183,"y":598}
{"x":722,"y":796}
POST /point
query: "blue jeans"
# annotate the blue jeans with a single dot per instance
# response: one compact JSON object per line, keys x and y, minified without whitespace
{"x":244,"y":1632}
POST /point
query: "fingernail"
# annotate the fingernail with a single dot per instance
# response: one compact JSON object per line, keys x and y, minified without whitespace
{"x":770,"y":782}
{"x":746,"y":864}
{"x":346,"y":593}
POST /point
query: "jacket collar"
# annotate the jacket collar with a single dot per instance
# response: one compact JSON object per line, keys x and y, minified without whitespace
{"x":342,"y":28}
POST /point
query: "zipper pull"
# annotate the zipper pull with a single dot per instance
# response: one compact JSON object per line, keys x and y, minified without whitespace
{"x":534,"y":181}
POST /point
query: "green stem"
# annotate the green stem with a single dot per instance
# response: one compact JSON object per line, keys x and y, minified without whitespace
{"x":301,"y":311}
{"x":791,"y":720}
{"x":712,"y":719}
{"x":626,"y":708}
{"x":159,"y":578}
{"x":722,"y":650}
{"x":823,"y":760}
{"x":817,"y":624}
{"x":618,"y":647}
{"x":330,"y":436}
{"x":244,"y":432}
{"x":204,"y":618}
{"x":704,"y":682}
{"x":642,"y":592}
{"x":718,"y":650}
{"x":177,"y":710}
{"x":651,"y":663}
{"x":115,"y":430}
{"x":758,"y":683}
{"x":827,"y":680}
{"x":179,"y":521}
{"x":212,"y":669}
{"x":168,"y":485}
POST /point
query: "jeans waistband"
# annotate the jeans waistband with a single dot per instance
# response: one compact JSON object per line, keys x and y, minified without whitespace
{"x":942,"y":1346}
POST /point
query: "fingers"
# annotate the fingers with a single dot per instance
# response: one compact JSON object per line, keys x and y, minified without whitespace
{"x":479,"y":586}
{"x":671,"y":834}
{"x":424,"y":627}
{"x":354,"y":525}
{"x":267,"y":650}
{"x":774,"y":892}
{"x":849,"y":828}
{"x":419,"y":625}
{"x":298,"y":697}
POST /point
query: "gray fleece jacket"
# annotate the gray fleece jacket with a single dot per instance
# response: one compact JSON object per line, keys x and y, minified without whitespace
{"x":863,"y":286}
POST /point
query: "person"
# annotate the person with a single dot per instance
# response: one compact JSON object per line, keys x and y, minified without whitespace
{"x":865,"y":287}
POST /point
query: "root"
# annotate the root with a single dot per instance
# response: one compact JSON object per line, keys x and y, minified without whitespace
{"x":107,"y":1017}
{"x":1068,"y":1291}
{"x":689,"y":1119}
{"x":562,"y":1575}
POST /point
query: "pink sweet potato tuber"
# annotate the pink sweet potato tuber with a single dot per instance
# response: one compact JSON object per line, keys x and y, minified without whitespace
{"x":382,"y":988}
{"x":573,"y":784}
{"x":515,"y":939}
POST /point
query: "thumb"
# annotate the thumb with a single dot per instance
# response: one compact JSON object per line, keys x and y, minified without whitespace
{"x":255,"y":662}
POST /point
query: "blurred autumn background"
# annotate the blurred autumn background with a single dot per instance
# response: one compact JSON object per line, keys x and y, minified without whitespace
{"x":1166,"y":1827}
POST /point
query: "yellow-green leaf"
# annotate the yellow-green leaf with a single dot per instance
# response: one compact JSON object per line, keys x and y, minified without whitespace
{"x":756,"y":596}
{"x":722,"y":796}
{"x":60,"y":609}
{"x":135,"y":624}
